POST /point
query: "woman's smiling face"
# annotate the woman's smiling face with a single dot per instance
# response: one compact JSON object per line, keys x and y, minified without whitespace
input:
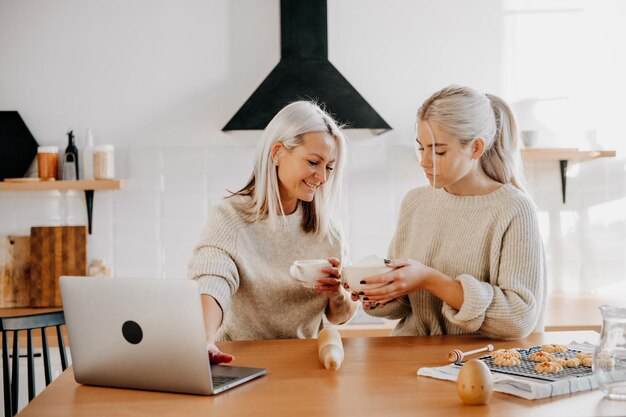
{"x":304,"y":169}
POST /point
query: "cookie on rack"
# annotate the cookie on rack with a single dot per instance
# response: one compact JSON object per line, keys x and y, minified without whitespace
{"x":551,"y":348}
{"x":583,"y":355}
{"x":548,"y":368}
{"x":506,"y":360}
{"x":568,"y":362}
{"x":587,"y":361}
{"x":541,"y":357}
{"x":511,"y":352}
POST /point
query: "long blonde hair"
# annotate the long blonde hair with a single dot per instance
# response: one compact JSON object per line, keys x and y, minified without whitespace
{"x":468,"y":114}
{"x":321,"y":215}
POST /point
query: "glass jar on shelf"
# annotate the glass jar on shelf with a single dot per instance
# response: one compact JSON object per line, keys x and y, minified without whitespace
{"x":104,"y":162}
{"x":48,"y":162}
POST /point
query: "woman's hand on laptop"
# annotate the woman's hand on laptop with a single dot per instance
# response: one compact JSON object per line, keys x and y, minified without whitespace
{"x":216,"y":356}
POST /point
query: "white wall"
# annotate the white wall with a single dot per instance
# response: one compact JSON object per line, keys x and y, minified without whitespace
{"x":159,"y":79}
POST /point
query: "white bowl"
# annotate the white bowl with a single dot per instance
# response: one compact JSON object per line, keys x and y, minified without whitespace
{"x":354,"y":274}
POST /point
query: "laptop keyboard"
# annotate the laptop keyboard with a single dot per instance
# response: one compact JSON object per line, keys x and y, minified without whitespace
{"x":219,"y":380}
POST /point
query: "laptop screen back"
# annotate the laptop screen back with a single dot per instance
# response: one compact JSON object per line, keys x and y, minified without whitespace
{"x":137,"y":333}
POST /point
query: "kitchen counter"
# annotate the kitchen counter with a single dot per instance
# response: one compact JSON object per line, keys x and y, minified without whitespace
{"x":378,"y":376}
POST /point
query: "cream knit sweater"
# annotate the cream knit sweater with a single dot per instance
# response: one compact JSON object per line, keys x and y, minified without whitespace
{"x":490,"y":244}
{"x":245,"y":267}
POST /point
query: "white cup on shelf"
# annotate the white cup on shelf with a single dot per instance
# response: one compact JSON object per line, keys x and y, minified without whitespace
{"x":529,"y":137}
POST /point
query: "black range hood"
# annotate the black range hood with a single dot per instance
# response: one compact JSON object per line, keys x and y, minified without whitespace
{"x":304,"y":72}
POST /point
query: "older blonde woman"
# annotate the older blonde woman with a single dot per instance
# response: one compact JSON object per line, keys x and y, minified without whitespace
{"x":287,"y":211}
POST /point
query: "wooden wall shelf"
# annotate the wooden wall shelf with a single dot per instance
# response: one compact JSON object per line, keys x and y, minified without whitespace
{"x":563,"y":155}
{"x":88,"y":186}
{"x":81,"y":185}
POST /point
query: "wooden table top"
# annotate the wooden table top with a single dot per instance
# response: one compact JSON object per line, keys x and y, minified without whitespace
{"x":378,"y":377}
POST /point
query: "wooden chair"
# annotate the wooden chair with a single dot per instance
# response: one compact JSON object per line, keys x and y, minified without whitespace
{"x":27,"y":323}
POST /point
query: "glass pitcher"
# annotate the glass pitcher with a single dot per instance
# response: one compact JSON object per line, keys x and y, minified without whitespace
{"x":609,"y":359}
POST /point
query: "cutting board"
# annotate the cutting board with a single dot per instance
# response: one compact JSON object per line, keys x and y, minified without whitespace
{"x":14,"y":271}
{"x":55,"y":251}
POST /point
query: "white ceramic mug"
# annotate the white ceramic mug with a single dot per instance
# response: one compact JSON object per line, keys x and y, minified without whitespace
{"x":354,"y":274}
{"x":307,"y":271}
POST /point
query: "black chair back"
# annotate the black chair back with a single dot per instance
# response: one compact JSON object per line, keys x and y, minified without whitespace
{"x":11,"y":369}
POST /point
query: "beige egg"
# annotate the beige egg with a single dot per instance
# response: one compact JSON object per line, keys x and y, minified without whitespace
{"x":475,"y":383}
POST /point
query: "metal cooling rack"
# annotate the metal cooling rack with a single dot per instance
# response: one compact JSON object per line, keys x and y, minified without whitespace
{"x":526,"y":367}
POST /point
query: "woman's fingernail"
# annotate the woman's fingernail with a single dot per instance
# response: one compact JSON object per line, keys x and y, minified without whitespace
{"x":375,"y":304}
{"x":387,"y":261}
{"x":362,"y":282}
{"x":372,"y":307}
{"x":361,"y":293}
{"x":365,"y":299}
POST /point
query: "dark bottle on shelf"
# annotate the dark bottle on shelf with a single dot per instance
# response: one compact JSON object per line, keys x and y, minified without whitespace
{"x":72,"y":149}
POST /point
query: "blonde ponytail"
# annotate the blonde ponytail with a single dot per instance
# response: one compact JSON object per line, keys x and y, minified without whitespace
{"x":503,"y":159}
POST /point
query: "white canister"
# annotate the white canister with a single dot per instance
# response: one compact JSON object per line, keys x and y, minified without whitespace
{"x":104,"y":162}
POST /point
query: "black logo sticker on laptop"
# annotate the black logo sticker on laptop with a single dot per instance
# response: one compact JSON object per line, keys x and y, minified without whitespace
{"x":132,"y":332}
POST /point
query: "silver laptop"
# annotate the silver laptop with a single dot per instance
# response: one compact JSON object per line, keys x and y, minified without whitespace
{"x":143,"y":334}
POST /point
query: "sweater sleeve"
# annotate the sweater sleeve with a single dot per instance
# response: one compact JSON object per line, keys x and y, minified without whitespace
{"x":511,"y":303}
{"x":212,"y":264}
{"x":393,"y":310}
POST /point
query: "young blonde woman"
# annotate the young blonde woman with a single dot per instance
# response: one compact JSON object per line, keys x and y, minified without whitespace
{"x":287,"y":211}
{"x":467,"y":253}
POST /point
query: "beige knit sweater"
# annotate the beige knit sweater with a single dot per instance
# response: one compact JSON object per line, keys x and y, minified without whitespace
{"x":490,"y":244}
{"x":245,"y":267}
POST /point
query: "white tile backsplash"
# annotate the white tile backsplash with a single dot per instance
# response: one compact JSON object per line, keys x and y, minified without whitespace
{"x":182,"y":229}
{"x":101,"y":249}
{"x":175,"y":258}
{"x":74,"y":208}
{"x":139,"y":271}
{"x":128,"y":229}
{"x":179,"y":183}
{"x":146,"y":184}
{"x":228,"y":168}
{"x":40,"y":207}
{"x":8,"y":214}
{"x":102,"y":225}
{"x":365,"y":155}
{"x":137,"y":255}
{"x":183,"y":205}
{"x":143,"y":161}
{"x":144,"y":166}
{"x":375,"y":203}
{"x":131,"y":204}
{"x":189,"y":162}
{"x":367,"y":225}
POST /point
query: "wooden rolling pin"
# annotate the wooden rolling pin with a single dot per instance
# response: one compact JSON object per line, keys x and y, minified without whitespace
{"x":330,"y":348}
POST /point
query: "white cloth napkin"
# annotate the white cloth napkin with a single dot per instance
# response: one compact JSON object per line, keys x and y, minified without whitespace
{"x":531,"y":389}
